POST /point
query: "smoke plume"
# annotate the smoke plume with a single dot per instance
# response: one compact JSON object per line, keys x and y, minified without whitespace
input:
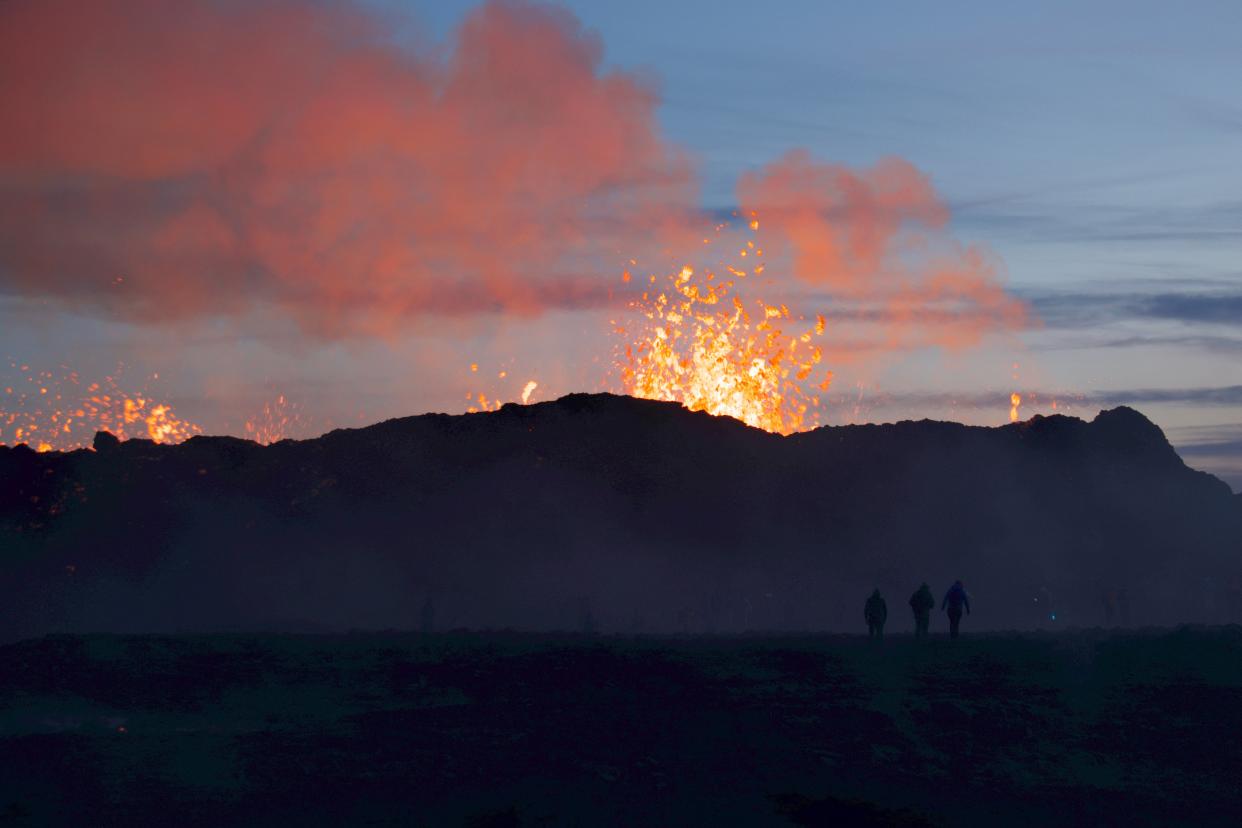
{"x":877,"y":240}
{"x":170,"y":160}
{"x":166,"y":161}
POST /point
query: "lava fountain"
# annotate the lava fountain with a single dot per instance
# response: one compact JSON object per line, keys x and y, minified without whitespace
{"x":274,"y":422}
{"x":56,"y":412}
{"x":701,"y":342}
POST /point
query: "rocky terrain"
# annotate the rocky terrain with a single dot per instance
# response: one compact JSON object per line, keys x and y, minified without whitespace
{"x":1087,"y":728}
{"x":598,"y":512}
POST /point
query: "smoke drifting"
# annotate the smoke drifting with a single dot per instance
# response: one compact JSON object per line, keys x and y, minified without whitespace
{"x":161,"y":162}
{"x":878,"y":239}
{"x":169,"y":160}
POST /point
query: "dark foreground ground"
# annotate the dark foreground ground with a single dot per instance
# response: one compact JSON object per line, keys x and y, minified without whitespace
{"x":509,"y":729}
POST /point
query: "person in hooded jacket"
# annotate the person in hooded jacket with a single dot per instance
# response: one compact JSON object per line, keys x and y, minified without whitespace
{"x":954,"y":600}
{"x":922,"y":603}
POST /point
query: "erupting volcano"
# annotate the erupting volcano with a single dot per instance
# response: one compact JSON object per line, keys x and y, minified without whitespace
{"x":697,"y":343}
{"x":59,"y":412}
{"x":365,"y":189}
{"x":463,"y":413}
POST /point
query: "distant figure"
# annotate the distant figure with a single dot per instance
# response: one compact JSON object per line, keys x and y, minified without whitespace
{"x":1123,"y":603}
{"x":922,"y":603}
{"x":876,"y":613}
{"x":428,"y":616}
{"x":954,"y":600}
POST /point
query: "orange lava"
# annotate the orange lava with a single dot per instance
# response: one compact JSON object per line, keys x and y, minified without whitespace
{"x":274,"y":422}
{"x":480,"y":401}
{"x":55,"y":412}
{"x":702,"y":342}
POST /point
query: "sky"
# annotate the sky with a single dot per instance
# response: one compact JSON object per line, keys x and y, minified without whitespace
{"x":347,"y":206}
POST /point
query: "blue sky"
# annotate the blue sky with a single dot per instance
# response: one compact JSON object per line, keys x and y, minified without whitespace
{"x":1096,"y":149}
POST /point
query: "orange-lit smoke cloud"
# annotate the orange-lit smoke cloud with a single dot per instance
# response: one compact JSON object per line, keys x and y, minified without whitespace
{"x":169,"y":160}
{"x":876,"y":240}
{"x":165,"y":160}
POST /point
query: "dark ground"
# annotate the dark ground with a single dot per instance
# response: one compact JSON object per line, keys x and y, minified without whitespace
{"x":648,"y":517}
{"x":1075,"y":728}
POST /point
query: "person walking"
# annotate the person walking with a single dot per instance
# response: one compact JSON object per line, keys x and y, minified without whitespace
{"x":875,"y":611}
{"x":954,"y":600}
{"x":922,"y":603}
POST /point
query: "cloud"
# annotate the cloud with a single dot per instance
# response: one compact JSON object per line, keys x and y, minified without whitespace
{"x":1209,"y":304}
{"x":880,"y":236}
{"x":1216,"y":449}
{"x":1216,"y":344}
{"x":1230,"y":448}
{"x":1094,"y":223}
{"x":1229,"y":395}
{"x":1224,"y":309}
{"x":167,"y":162}
{"x":161,"y":161}
{"x":1224,"y":396}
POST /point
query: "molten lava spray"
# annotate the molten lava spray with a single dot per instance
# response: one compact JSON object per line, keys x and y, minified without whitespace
{"x":482,"y":401}
{"x":58,"y":412}
{"x":874,"y":243}
{"x":701,"y":342}
{"x":205,"y":159}
{"x":274,"y":422}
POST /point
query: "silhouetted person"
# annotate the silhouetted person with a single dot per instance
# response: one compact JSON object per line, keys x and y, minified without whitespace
{"x":876,"y":613}
{"x":922,"y":603}
{"x":954,"y":600}
{"x":1123,"y":603}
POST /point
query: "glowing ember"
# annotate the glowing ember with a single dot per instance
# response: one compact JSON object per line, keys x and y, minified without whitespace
{"x":482,"y":402}
{"x":701,"y":344}
{"x":56,"y":413}
{"x":1015,"y":400}
{"x":274,"y":423}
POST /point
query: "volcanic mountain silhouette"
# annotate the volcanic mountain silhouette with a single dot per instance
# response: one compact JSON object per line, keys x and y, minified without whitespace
{"x":608,"y":512}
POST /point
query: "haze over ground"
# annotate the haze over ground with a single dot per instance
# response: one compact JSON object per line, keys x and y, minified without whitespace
{"x":1093,"y":152}
{"x":619,"y":515}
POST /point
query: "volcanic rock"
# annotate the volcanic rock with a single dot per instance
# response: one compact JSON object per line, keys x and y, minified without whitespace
{"x":641,"y":514}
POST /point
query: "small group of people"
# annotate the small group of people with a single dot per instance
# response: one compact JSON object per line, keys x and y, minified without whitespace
{"x":875,"y":611}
